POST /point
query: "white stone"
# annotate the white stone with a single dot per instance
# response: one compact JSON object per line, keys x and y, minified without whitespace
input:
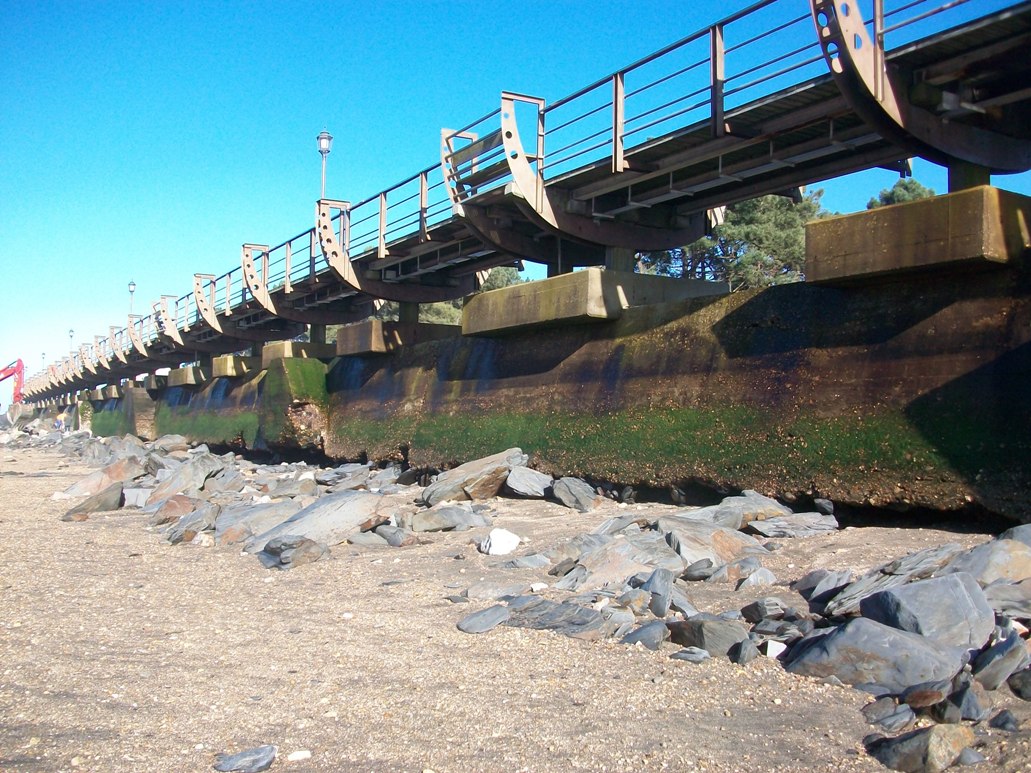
{"x":500,"y":542}
{"x":298,"y":756}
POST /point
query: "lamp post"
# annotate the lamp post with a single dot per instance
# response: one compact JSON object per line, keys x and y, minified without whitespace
{"x":71,"y":335}
{"x":325,"y":140}
{"x":132,"y":289}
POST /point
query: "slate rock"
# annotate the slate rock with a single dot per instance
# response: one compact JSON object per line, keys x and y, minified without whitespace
{"x":969,"y":757}
{"x":915,"y":566}
{"x":636,"y":600}
{"x":821,"y":585}
{"x":650,"y":635}
{"x":889,"y":715}
{"x":1000,"y":559}
{"x":865,"y":652}
{"x":238,"y":523}
{"x":576,"y":494}
{"x":761,"y":576}
{"x":1020,"y":533}
{"x":568,"y":618}
{"x":446,"y":517}
{"x":190,"y":525}
{"x":484,"y":620}
{"x":691,"y":655}
{"x":395,"y":536}
{"x":972,"y":701}
{"x":189,"y":478}
{"x":524,"y":482}
{"x":248,"y":761}
{"x":290,"y":552}
{"x":531,"y":561}
{"x":478,"y":479}
{"x":734,"y":571}
{"x":700,"y":570}
{"x":135,"y":497}
{"x":994,"y":666}
{"x":951,"y":610}
{"x":928,"y":750}
{"x":172,"y":509}
{"x":824,"y":506}
{"x":660,"y":586}
{"x":796,"y":525}
{"x":1005,"y":720}
{"x":737,"y":511}
{"x":1010,"y":599}
{"x":107,"y":499}
{"x":120,"y":471}
{"x":697,"y":540}
{"x":743,"y":653}
{"x":367,"y":539}
{"x":292,"y":488}
{"x":1020,"y":683}
{"x":330,"y":520}
{"x":168,"y":443}
{"x":921,"y":696}
{"x":770,"y":607}
{"x":714,"y":635}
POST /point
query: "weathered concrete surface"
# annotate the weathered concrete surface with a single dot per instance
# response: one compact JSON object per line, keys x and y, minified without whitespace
{"x":976,"y":227}
{"x":279,"y":350}
{"x":900,"y":393}
{"x":374,"y":336}
{"x":234,"y":366}
{"x":583,"y":296}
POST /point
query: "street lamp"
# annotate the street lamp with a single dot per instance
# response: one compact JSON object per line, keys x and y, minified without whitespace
{"x":325,"y":140}
{"x":132,"y":289}
{"x":71,"y":334}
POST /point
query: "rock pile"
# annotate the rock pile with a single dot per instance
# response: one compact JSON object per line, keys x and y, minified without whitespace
{"x":929,"y":635}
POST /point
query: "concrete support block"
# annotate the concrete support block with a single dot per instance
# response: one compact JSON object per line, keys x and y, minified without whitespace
{"x":583,"y":296}
{"x":981,"y":226}
{"x":112,"y":391}
{"x":96,"y":394}
{"x":281,"y":350}
{"x":155,"y":383}
{"x":232,"y":365}
{"x":191,"y":375}
{"x":373,"y":336}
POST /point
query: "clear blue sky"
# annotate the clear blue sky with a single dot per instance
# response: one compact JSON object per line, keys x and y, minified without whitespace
{"x":147,"y":141}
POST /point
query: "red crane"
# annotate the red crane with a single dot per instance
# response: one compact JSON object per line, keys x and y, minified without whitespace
{"x":16,"y":369}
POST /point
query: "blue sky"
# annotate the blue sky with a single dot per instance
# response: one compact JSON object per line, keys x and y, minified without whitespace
{"x":147,"y":141}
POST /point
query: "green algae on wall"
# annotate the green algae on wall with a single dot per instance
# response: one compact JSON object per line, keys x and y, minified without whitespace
{"x":293,"y":403}
{"x":231,"y":427}
{"x":109,"y":420}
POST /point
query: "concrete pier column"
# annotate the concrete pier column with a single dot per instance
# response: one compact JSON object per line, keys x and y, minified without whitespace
{"x":317,"y":334}
{"x":963,"y":175}
{"x":620,"y":259}
{"x":408,"y":312}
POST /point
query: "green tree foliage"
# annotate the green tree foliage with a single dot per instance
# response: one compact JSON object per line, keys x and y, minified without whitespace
{"x":905,"y":189}
{"x":760,"y":243}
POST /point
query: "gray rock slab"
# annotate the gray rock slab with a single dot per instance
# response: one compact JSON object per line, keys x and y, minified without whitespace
{"x":107,"y":499}
{"x":524,"y":482}
{"x":1020,"y":533}
{"x":396,"y":536}
{"x":446,"y":517}
{"x":865,"y":652}
{"x":238,"y":523}
{"x":531,"y":561}
{"x":189,"y":478}
{"x":796,"y":526}
{"x":568,"y":618}
{"x":928,"y":750}
{"x":330,"y":520}
{"x":915,"y":566}
{"x":169,"y":443}
{"x":660,"y":586}
{"x":951,"y":610}
{"x":191,"y":524}
{"x":171,"y":510}
{"x":1010,"y":599}
{"x":289,"y":552}
{"x":1020,"y":683}
{"x":889,"y":715}
{"x":576,"y":494}
{"x":691,"y":655}
{"x":135,"y":497}
{"x":1000,"y":559}
{"x":714,"y":635}
{"x":485,"y":619}
{"x":248,"y":761}
{"x":994,"y":666}
{"x":768,"y":608}
{"x":368,"y":539}
{"x":478,"y":479}
{"x":696,"y":540}
{"x":650,"y":635}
